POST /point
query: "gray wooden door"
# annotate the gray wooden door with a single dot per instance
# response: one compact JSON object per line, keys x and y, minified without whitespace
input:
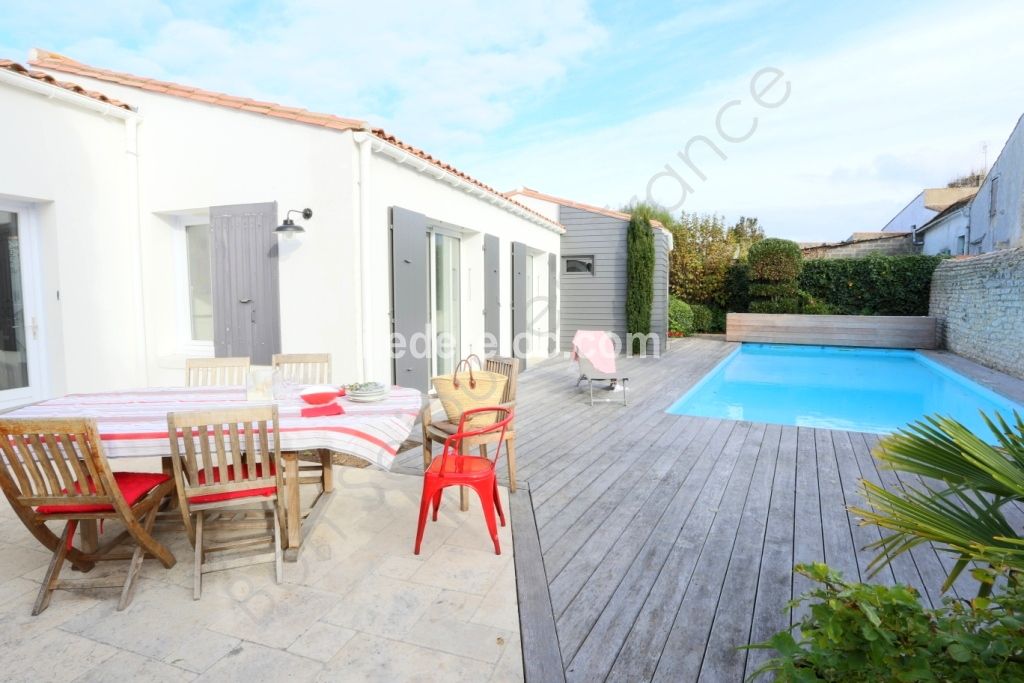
{"x":246,"y":296}
{"x":492,"y":292}
{"x":552,"y":302}
{"x":410,"y":298}
{"x":520,"y":253}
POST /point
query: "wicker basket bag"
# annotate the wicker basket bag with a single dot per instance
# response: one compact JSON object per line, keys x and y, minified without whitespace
{"x":467,"y":388}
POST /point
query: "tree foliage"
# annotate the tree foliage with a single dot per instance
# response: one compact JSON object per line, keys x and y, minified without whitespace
{"x":774,"y":268}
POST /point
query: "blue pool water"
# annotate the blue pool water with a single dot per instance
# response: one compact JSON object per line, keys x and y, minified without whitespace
{"x":861,"y":390}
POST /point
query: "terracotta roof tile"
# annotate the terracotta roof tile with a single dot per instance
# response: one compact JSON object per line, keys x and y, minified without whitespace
{"x":58,"y":62}
{"x":415,"y":151}
{"x":14,"y":67}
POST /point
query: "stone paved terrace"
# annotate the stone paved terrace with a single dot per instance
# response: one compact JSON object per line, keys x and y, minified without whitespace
{"x":358,"y":606}
{"x":666,"y":541}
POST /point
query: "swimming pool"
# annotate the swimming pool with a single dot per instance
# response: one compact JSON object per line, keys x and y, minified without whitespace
{"x":860,"y":390}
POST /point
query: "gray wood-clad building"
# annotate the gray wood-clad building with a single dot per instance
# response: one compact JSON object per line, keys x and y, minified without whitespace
{"x":592,"y":268}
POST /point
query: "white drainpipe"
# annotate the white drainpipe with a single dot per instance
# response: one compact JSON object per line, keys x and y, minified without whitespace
{"x":365,"y":262}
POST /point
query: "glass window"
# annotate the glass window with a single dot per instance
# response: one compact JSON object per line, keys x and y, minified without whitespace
{"x":13,"y":344}
{"x":446,"y":302}
{"x":993,"y":197}
{"x":579,"y":264}
{"x":200,"y":280}
{"x":960,"y":245}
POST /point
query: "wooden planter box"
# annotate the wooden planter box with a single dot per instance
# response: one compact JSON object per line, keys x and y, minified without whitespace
{"x":875,"y":331}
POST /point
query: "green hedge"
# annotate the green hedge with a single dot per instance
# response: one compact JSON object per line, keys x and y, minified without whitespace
{"x":874,"y":285}
{"x":680,"y":316}
{"x":737,"y":288}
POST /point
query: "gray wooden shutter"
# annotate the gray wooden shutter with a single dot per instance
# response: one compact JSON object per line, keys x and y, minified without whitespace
{"x":552,"y":302}
{"x":246,"y":295}
{"x":410,"y":296}
{"x":519,"y":303}
{"x":492,"y":291}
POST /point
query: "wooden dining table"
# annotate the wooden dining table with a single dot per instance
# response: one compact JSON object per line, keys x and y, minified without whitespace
{"x":133,"y":424}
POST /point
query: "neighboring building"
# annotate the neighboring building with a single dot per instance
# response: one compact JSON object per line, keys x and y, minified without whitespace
{"x":861,"y":244}
{"x":997,"y":212}
{"x":925,"y":207}
{"x":593,"y":267}
{"x":948,"y":232}
{"x":139,"y":236}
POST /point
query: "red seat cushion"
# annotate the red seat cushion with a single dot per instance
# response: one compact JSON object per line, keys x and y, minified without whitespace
{"x":134,"y":486}
{"x":471,"y":465}
{"x":231,"y":495}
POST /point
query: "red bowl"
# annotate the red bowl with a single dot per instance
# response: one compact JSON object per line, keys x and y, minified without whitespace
{"x":317,"y":396}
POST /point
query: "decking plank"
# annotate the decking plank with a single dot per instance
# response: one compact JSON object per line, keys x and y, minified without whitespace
{"x":837,"y":534}
{"x":808,"y":544}
{"x":688,"y":516}
{"x":733,"y":615}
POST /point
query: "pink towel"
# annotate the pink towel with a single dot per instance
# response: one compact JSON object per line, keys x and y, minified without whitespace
{"x":597,"y":347}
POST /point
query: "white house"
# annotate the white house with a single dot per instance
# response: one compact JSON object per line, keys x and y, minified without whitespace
{"x":948,"y":232}
{"x":926,"y":206}
{"x":997,"y":212}
{"x":142,"y":234}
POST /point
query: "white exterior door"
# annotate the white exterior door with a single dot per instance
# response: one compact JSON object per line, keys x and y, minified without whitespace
{"x":21,"y":324}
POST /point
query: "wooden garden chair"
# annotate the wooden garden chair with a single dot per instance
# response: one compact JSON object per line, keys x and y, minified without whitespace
{"x":227,"y":461}
{"x":55,"y":470}
{"x":309,"y":368}
{"x":304,"y":368}
{"x":215,"y":372}
{"x":438,"y":431}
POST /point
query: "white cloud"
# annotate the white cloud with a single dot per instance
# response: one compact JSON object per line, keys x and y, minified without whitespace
{"x":869,"y":123}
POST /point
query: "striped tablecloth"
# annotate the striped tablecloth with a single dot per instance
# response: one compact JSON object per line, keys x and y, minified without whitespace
{"x":134,"y":423}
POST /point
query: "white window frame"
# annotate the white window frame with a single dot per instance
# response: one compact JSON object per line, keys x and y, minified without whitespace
{"x":32,"y":288}
{"x":196,"y":348}
{"x":435,"y":229}
{"x":578,"y":257}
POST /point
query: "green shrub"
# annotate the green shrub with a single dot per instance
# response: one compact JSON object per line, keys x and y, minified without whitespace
{"x":874,"y":285}
{"x":718,"y":320}
{"x":639,"y":275}
{"x":680,"y":316}
{"x":737,"y":288}
{"x":790,"y":304}
{"x":774,"y":260}
{"x":862,"y":632}
{"x":703,"y":318}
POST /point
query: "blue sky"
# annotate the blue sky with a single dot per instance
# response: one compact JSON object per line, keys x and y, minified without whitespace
{"x":592,"y":100}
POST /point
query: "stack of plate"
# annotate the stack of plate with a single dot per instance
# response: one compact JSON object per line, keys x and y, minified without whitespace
{"x":367,"y":393}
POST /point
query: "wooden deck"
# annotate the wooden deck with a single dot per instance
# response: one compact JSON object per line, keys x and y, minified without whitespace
{"x":667,"y":541}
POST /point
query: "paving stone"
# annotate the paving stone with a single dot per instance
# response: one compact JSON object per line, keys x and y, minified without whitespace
{"x":372,"y":658}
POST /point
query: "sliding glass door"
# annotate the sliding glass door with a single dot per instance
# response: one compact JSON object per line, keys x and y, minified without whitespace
{"x":445,"y":294}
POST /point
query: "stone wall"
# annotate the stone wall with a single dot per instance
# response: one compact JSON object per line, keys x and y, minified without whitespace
{"x":979,"y":303}
{"x":885,"y":246}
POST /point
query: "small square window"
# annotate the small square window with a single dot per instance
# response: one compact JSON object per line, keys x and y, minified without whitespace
{"x":578,"y":265}
{"x":961,"y":245}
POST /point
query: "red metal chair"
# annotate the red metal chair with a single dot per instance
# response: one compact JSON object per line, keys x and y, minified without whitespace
{"x":454,"y":468}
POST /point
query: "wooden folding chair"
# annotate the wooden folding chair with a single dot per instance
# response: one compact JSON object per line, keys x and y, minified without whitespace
{"x":228,"y":461}
{"x":55,"y":470}
{"x":304,"y":368}
{"x":309,"y":368}
{"x":215,"y":372}
{"x":439,"y":431}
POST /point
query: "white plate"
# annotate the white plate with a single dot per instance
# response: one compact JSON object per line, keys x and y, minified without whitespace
{"x":362,"y":398}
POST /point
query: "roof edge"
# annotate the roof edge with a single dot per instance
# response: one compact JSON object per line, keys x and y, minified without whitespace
{"x":611,"y":213}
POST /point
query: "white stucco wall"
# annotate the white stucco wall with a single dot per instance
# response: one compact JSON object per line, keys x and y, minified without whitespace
{"x":942,"y":236}
{"x":72,"y":170}
{"x":1005,"y":229}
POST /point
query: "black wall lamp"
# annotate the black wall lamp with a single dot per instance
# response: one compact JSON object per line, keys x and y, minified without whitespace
{"x":289,"y":228}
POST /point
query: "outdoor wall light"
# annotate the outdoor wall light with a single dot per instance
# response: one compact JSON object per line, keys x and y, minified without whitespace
{"x":289,"y":228}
